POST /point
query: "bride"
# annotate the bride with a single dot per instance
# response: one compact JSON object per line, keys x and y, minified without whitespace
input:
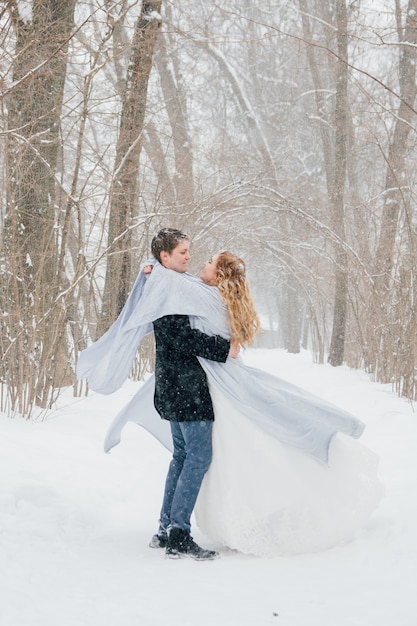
{"x":260,"y":496}
{"x":286,"y":475}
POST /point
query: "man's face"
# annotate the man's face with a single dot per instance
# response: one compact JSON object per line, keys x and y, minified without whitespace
{"x":178,"y":259}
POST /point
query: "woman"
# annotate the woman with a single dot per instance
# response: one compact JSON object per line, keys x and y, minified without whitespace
{"x":283,"y":480}
{"x":261,"y":496}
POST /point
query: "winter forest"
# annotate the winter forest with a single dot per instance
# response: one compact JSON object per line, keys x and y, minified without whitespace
{"x":283,"y":131}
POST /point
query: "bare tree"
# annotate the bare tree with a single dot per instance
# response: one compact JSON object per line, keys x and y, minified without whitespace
{"x":337,"y":194}
{"x":33,"y":330}
{"x":384,"y":329}
{"x":124,"y":191}
{"x":176,"y":106}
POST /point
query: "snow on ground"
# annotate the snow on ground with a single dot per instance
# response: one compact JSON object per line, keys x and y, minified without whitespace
{"x":75,"y":525}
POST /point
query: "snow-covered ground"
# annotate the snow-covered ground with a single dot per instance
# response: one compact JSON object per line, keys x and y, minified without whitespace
{"x":75,"y":525}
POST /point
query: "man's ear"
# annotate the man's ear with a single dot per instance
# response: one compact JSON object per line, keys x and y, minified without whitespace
{"x":164,"y":256}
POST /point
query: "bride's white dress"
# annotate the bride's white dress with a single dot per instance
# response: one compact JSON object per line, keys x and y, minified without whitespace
{"x":267,"y":498}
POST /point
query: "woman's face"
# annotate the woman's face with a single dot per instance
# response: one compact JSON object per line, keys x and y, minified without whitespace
{"x":209,"y":272}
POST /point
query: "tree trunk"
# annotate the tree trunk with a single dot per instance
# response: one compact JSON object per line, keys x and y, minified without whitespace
{"x":382,"y":320}
{"x":397,"y":153}
{"x":293,"y":318}
{"x":335,"y":160}
{"x":176,"y":108}
{"x":337,"y":343}
{"x":35,"y":327}
{"x":34,"y":109}
{"x":124,"y":192}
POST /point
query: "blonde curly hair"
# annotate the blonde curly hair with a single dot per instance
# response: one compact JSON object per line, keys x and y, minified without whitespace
{"x":234,"y":289}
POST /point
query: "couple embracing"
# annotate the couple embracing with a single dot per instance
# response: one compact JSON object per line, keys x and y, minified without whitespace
{"x":268,"y":468}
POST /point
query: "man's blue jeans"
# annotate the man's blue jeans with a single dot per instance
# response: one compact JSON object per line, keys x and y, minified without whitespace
{"x":191,"y":460}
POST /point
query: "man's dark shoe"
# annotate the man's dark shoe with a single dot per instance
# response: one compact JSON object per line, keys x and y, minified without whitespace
{"x":180,"y":543}
{"x":158,"y":541}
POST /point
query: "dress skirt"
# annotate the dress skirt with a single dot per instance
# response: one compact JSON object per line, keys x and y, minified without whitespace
{"x":266,"y":498}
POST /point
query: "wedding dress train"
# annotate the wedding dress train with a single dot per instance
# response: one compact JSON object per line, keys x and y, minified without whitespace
{"x":266,"y":498}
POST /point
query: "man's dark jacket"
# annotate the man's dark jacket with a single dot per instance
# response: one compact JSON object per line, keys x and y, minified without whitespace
{"x":181,"y":389}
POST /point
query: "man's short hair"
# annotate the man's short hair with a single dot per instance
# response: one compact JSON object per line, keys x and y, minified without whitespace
{"x":166,"y":240}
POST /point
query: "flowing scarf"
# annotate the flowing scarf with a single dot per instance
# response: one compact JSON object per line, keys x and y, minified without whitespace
{"x":285,"y":411}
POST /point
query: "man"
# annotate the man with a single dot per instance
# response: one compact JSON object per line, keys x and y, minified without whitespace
{"x":182,"y":397}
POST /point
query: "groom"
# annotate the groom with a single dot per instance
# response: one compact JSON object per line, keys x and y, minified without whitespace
{"x":182,"y":397}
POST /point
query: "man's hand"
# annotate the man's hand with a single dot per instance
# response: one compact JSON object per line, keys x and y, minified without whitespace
{"x":234,"y":349}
